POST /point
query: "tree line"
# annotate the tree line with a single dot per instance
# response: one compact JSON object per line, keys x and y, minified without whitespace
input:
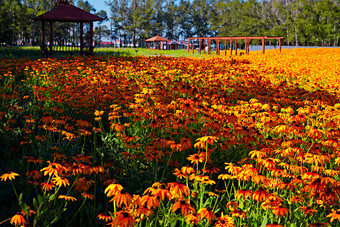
{"x":300,"y":22}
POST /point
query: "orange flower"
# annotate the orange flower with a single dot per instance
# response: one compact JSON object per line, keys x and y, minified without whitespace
{"x":9,"y":175}
{"x":260,"y":194}
{"x":122,"y":197}
{"x":113,"y":189}
{"x":178,"y":189}
{"x":280,"y":211}
{"x":224,"y":221}
{"x":203,"y":141}
{"x":206,"y":213}
{"x":123,"y":219}
{"x":47,"y":186}
{"x":275,"y":224}
{"x":238,"y":213}
{"x":87,"y":196}
{"x":143,"y":211}
{"x":67,"y":197}
{"x":335,"y":215}
{"x":150,"y":200}
{"x":243,"y":192}
{"x":184,"y":206}
{"x":308,"y":210}
{"x":53,"y":169}
{"x":104,"y":216}
{"x":18,"y":220}
{"x":192,"y":219}
{"x":60,"y":181}
{"x":195,"y":158}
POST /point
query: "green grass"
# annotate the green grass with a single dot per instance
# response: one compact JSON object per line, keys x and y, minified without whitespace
{"x":34,"y":52}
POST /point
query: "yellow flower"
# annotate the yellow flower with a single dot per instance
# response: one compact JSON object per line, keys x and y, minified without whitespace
{"x":10,"y":175}
{"x":18,"y":219}
{"x":67,"y":197}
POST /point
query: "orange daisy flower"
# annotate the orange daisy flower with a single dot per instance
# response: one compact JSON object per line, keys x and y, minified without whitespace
{"x":184,"y":206}
{"x":206,"y":213}
{"x":123,"y":219}
{"x":104,"y":216}
{"x":195,"y":158}
{"x":192,"y":219}
{"x":335,"y":215}
{"x":67,"y":197}
{"x":18,"y":220}
{"x":53,"y":168}
{"x":60,"y":181}
{"x":122,"y":197}
{"x":178,"y":189}
{"x":243,"y":192}
{"x":280,"y":211}
{"x":260,"y":194}
{"x":113,"y":189}
{"x":9,"y":175}
{"x":308,"y":210}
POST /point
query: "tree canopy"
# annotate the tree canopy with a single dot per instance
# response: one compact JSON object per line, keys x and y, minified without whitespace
{"x":300,"y":22}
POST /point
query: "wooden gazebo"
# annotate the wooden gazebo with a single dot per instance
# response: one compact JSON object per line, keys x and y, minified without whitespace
{"x":157,"y":41}
{"x":65,"y":12}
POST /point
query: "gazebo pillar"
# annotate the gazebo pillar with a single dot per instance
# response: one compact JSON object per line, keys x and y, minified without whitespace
{"x":225,"y":47}
{"x":204,"y":45}
{"x":263,"y":41}
{"x":51,"y":39}
{"x":199,"y":45}
{"x":217,"y":46}
{"x":81,"y":37}
{"x":193,"y":46}
{"x":236,"y":47}
{"x":280,"y":44}
{"x":91,"y":37}
{"x":209,"y":45}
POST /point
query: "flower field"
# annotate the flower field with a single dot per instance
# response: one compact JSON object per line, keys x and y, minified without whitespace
{"x":248,"y":140}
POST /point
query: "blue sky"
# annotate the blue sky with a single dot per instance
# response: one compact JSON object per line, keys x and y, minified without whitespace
{"x":100,"y":4}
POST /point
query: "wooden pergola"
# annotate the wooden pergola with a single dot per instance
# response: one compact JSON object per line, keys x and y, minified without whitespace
{"x":156,"y":39}
{"x":247,"y":39}
{"x":65,"y":12}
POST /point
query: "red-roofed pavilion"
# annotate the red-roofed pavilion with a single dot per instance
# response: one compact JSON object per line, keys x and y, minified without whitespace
{"x":65,"y":12}
{"x":157,"y":40}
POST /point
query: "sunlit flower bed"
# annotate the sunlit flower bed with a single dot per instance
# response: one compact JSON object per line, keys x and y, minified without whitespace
{"x":248,"y":140}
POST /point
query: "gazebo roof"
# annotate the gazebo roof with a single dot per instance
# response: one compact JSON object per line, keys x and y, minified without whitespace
{"x":157,"y":38}
{"x":68,"y":13}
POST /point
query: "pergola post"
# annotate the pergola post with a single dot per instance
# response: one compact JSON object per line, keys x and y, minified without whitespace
{"x":199,"y":46}
{"x":51,"y":39}
{"x":204,"y":44}
{"x":193,"y":46}
{"x":81,"y":38}
{"x":91,"y":37}
{"x":209,"y":45}
{"x":231,"y":47}
{"x":263,"y":40}
{"x":279,"y":44}
{"x":236,"y":47}
{"x":218,"y":47}
{"x":225,"y":47}
{"x":43,"y":47}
